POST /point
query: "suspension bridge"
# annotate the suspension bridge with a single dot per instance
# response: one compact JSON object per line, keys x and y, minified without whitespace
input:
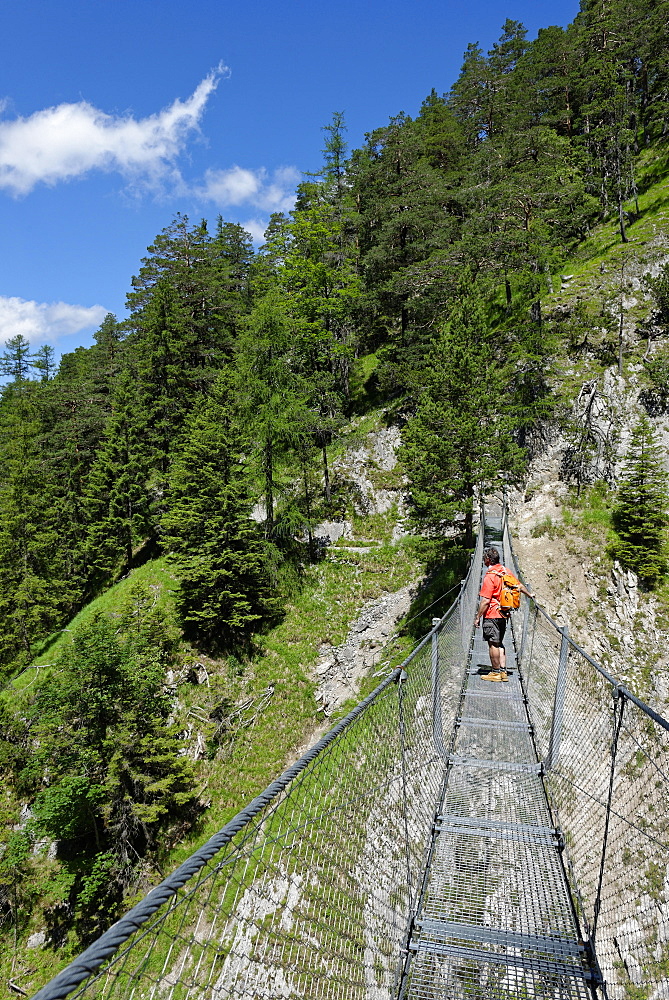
{"x":450,"y":838}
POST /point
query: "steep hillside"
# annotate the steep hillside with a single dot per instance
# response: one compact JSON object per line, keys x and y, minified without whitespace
{"x":612,"y":332}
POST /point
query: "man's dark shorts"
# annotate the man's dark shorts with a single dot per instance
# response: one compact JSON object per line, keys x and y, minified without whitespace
{"x":493,"y":630}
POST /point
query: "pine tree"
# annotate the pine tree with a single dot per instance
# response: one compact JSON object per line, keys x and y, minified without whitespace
{"x":44,"y":362}
{"x":117,"y":493}
{"x":460,"y":439}
{"x":607,"y":113}
{"x":16,"y":360}
{"x":107,"y":768}
{"x":271,"y":391}
{"x":334,"y":153}
{"x":522,"y":193}
{"x":217,"y":548}
{"x":640,"y":512}
{"x":407,"y":219}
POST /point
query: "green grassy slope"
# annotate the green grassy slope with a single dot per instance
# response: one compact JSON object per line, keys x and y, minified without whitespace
{"x":595,"y":266}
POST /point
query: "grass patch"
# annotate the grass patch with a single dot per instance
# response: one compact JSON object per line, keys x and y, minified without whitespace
{"x":363,"y":384}
{"x":591,"y":511}
{"x":156,"y":575}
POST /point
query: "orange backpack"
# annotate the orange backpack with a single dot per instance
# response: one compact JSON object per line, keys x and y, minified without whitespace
{"x":509,"y":598}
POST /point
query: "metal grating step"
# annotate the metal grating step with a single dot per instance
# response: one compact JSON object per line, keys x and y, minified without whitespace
{"x":495,"y":765}
{"x":498,"y":936}
{"x":508,"y":796}
{"x":548,"y":841}
{"x":493,"y":744}
{"x":466,"y":720}
{"x":533,"y":963}
{"x":494,"y":709}
{"x":501,"y":694}
{"x":509,"y":882}
{"x":496,"y":828}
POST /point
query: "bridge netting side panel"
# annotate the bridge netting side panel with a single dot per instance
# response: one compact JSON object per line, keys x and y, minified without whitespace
{"x":308,"y":892}
{"x":606,"y":760}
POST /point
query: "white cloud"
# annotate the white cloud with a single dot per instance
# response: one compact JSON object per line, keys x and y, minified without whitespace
{"x":256,"y":229}
{"x":67,"y":141}
{"x":229,"y":187}
{"x":41,"y":321}
{"x":273,"y":192}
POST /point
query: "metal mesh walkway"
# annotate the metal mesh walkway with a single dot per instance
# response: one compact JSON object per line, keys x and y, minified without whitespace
{"x":496,"y":918}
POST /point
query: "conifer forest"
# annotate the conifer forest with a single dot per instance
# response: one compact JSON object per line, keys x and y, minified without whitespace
{"x":198,"y":436}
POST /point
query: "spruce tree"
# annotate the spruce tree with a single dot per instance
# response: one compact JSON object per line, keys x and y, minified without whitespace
{"x":34,"y":592}
{"x":117,"y":494}
{"x":107,"y":766}
{"x":460,"y":439}
{"x":75,"y":406}
{"x":640,"y":512}
{"x":216,"y":547}
{"x":185,"y":307}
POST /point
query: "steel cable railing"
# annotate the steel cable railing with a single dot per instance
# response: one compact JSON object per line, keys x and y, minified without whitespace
{"x":309,"y":891}
{"x":606,"y":760}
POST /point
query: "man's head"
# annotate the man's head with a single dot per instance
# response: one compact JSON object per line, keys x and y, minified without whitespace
{"x":490,"y":557}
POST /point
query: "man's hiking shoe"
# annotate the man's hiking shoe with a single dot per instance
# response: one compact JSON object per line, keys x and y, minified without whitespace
{"x":494,"y":676}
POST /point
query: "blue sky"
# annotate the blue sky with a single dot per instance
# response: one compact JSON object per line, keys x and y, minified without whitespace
{"x":116,"y":114}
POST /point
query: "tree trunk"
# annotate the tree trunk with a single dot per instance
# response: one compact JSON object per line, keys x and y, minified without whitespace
{"x":535,"y":312}
{"x":307,"y":503}
{"x":326,"y":475}
{"x":469,"y":517}
{"x":619,"y":192}
{"x":269,"y":486}
{"x":621,"y":220}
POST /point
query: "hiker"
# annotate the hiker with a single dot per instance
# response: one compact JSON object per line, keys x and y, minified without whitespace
{"x":494,"y":620}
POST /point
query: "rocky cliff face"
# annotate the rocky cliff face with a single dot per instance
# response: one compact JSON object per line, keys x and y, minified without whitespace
{"x":371,"y":466}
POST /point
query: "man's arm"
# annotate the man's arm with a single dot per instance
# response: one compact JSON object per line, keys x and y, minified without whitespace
{"x":524,"y":590}
{"x":483,"y":607}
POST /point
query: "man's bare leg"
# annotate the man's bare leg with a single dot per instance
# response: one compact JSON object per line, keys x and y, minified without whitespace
{"x":497,"y":658}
